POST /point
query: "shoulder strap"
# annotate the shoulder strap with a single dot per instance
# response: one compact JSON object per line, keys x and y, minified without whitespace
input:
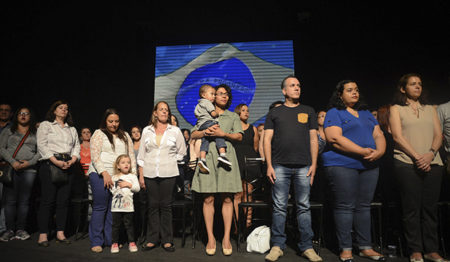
{"x":21,"y":143}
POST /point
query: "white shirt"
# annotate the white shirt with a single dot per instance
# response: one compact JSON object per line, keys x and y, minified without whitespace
{"x":53,"y":139}
{"x":122,"y":198}
{"x":161,"y":161}
{"x":103,"y":156}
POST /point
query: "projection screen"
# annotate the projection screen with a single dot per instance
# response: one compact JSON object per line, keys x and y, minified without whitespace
{"x":253,"y":70}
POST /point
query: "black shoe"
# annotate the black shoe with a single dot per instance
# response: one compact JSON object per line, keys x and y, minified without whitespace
{"x":43,"y":244}
{"x":224,"y":160}
{"x":170,"y":248}
{"x":147,"y":248}
{"x":63,"y":241}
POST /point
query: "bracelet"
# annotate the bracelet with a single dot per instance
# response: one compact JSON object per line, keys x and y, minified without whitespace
{"x":433,"y":151}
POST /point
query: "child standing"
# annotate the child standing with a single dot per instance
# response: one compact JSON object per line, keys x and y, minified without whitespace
{"x":125,"y":184}
{"x":205,"y":111}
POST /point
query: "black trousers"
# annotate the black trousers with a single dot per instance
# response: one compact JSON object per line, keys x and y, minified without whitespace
{"x":160,"y":200}
{"x":52,"y":196}
{"x":127,"y":219}
{"x":419,"y":192}
{"x":140,"y":211}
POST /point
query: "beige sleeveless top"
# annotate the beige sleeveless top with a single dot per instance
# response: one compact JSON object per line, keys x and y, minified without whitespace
{"x":158,"y":139}
{"x":418,"y":131}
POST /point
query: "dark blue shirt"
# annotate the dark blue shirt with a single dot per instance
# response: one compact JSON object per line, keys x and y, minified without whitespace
{"x":291,"y":141}
{"x":357,"y":129}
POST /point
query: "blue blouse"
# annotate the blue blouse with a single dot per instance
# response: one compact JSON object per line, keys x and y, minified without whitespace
{"x":357,"y":129}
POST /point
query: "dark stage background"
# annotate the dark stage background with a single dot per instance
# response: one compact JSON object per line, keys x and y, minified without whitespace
{"x":100,"y":55}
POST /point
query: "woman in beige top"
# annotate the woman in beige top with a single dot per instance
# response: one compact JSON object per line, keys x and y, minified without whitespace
{"x":417,"y":135}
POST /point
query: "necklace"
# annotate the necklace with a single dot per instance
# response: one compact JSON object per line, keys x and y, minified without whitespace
{"x":353,"y":112}
{"x":415,"y":109}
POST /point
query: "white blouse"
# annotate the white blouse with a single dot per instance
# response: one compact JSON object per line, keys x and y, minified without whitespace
{"x":103,"y":156}
{"x":53,"y":139}
{"x":122,"y":198}
{"x":161,"y":161}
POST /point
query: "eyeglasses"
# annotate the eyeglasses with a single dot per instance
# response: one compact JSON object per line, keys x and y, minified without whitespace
{"x":222,"y":94}
{"x":24,"y":113}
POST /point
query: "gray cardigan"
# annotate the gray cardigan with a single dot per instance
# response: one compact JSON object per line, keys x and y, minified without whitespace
{"x":9,"y":142}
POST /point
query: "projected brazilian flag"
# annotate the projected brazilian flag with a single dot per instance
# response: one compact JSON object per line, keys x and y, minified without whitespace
{"x":253,"y":70}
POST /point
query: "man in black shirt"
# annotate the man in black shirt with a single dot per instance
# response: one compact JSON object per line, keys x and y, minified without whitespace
{"x":291,"y":148}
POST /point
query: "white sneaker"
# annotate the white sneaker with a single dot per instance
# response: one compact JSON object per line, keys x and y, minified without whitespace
{"x":115,"y":248}
{"x":22,"y":235}
{"x":132,"y":247}
{"x":7,"y":235}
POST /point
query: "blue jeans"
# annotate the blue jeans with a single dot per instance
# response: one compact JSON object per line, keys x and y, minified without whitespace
{"x":220,"y":142}
{"x":353,"y":192}
{"x":280,"y":194}
{"x":100,"y":227}
{"x":17,"y":200}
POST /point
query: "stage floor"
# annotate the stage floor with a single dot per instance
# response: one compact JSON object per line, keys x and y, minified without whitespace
{"x":28,"y":250}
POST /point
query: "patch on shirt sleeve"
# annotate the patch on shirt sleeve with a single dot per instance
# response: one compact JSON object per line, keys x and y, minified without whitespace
{"x":302,"y":118}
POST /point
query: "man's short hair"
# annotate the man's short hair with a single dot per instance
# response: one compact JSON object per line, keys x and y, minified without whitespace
{"x":286,"y":78}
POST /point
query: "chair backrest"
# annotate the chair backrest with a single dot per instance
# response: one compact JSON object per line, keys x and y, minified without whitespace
{"x":253,"y":169}
{"x":255,"y":173}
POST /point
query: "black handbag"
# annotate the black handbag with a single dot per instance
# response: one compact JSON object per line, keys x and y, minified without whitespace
{"x":6,"y":170}
{"x":58,"y":175}
{"x":6,"y":173}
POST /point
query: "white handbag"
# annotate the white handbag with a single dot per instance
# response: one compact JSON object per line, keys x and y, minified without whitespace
{"x":259,"y":240}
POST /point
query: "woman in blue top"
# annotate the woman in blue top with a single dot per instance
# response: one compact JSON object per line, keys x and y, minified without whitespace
{"x":356,"y":142}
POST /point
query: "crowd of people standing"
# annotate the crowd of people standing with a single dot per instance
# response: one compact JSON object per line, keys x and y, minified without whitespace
{"x":141,"y":171}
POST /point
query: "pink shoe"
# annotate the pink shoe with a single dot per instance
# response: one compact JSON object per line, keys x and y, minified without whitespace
{"x":115,"y":248}
{"x":132,"y":247}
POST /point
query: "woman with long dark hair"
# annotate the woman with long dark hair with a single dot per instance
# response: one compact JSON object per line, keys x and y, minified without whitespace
{"x":355,"y":144}
{"x":58,"y":145}
{"x":17,"y":195}
{"x":136,"y":133}
{"x":418,"y":167}
{"x":162,"y":146}
{"x":107,"y":143}
{"x":221,"y":179}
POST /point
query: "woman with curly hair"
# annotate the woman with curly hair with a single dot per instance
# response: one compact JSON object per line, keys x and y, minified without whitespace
{"x":221,"y":178}
{"x":356,"y":143}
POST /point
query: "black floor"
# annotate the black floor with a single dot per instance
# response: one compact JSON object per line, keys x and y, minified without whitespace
{"x":28,"y":250}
